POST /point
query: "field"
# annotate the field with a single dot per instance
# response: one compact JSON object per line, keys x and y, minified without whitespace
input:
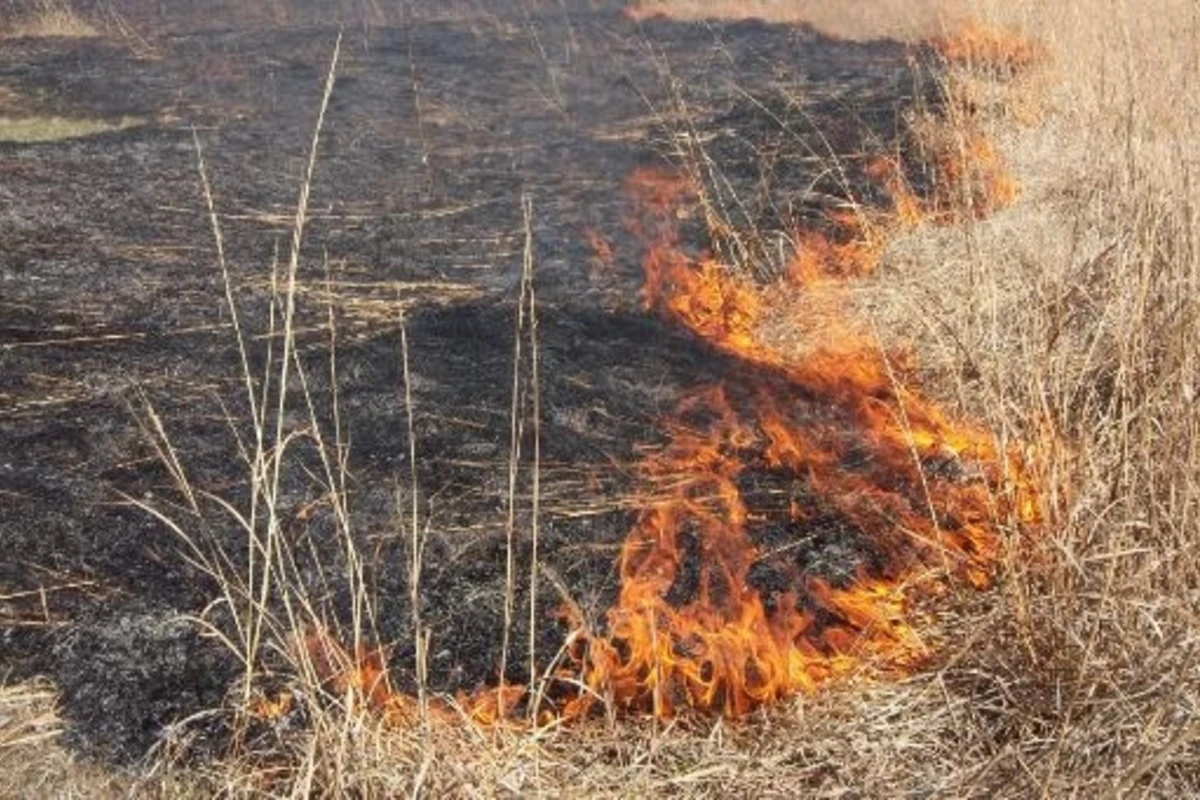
{"x":599,"y":398}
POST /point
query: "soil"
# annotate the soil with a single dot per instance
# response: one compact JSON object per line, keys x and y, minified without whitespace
{"x":111,"y":304}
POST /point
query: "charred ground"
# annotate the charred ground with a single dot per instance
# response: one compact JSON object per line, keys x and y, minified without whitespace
{"x":437,"y":129}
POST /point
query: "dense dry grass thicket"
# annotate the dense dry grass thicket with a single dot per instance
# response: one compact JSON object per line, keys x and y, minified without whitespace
{"x":1068,"y":321}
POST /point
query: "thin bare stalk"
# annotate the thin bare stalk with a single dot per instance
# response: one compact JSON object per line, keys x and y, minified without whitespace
{"x":535,"y":391}
{"x":416,"y":539}
{"x":514,"y":468}
{"x":274,"y":533}
{"x":253,"y":544}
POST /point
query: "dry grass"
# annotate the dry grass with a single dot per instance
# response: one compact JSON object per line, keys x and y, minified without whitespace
{"x":50,"y":18}
{"x":1070,"y":320}
{"x":33,"y":764}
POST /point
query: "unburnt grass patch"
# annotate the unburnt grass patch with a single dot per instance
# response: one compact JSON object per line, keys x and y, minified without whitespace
{"x":36,"y":130}
{"x":47,"y":19}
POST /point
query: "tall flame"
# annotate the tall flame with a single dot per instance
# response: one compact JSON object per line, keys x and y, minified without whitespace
{"x":924,"y":491}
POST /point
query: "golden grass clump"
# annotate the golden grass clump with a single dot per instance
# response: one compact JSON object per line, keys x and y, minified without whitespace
{"x":50,"y":19}
{"x":1070,"y":321}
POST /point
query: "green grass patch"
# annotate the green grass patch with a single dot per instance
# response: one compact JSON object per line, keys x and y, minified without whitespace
{"x":30,"y":130}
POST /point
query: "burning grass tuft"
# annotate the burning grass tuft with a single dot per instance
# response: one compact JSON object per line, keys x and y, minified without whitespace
{"x":970,"y":177}
{"x":986,"y":48}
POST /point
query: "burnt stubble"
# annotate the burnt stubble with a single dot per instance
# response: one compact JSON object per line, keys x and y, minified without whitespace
{"x":437,"y":128}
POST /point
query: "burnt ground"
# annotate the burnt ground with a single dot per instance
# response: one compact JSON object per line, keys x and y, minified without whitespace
{"x":439,"y":125}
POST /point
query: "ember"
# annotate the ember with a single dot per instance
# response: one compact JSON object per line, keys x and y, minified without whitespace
{"x":981,"y":45}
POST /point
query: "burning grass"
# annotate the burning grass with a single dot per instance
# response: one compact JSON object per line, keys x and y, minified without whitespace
{"x":736,"y":645}
{"x":710,"y":616}
{"x":1074,"y":673}
{"x":982,"y":47}
{"x":970,"y":177}
{"x":1069,"y":320}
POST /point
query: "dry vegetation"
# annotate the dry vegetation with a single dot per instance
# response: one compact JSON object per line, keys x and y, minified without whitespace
{"x":1069,"y":321}
{"x":49,"y":18}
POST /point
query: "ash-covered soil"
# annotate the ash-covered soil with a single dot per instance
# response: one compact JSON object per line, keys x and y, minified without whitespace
{"x":111,"y":302}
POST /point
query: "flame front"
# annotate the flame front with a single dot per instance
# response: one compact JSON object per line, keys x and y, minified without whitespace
{"x":706,"y":617}
{"x":719,"y":606}
{"x":709,"y":615}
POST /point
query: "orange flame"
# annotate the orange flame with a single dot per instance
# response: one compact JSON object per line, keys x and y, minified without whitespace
{"x":979,"y":45}
{"x":726,"y":646}
{"x":363,"y":678}
{"x":602,"y":252}
{"x":970,"y":178}
{"x":709,"y":614}
{"x":908,"y":210}
{"x":971,"y":172}
{"x":857,"y":446}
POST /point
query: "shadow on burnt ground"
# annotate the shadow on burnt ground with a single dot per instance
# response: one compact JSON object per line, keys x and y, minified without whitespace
{"x":437,"y":128}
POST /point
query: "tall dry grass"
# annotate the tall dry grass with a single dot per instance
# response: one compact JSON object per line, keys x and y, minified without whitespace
{"x":1073,"y":320}
{"x":1070,"y":321}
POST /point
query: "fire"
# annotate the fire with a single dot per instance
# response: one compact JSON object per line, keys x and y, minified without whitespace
{"x":971,"y":175}
{"x":602,"y":252}
{"x":363,"y":678}
{"x":908,"y":210}
{"x":710,"y":616}
{"x":852,"y":443}
{"x":719,"y":606}
{"x":978,"y":45}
